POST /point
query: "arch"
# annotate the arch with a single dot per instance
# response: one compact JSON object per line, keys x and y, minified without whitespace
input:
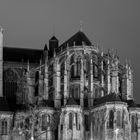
{"x":70,"y":120}
{"x":97,"y":92}
{"x":62,"y":71}
{"x":86,"y":122}
{"x":75,"y":66}
{"x":111,"y":119}
{"x":133,"y":123}
{"x":119,"y":120}
{"x":10,"y":79}
{"x":95,"y":71}
{"x":4,"y":126}
{"x":75,"y":91}
{"x":36,"y":83}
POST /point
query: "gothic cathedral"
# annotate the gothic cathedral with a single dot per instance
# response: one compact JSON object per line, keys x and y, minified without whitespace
{"x":72,"y":91}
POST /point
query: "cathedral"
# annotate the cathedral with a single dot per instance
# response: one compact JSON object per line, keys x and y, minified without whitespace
{"x":69,"y":91}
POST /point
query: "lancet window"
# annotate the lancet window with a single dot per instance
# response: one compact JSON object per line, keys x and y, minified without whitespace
{"x":111,"y":119}
{"x":4,"y":127}
{"x":95,"y":67}
{"x":70,"y":120}
{"x":75,"y":67}
{"x":10,"y":83}
{"x":36,"y":83}
{"x":75,"y":91}
{"x":119,"y":119}
{"x":86,"y":122}
{"x":51,"y":81}
{"x":45,"y":121}
{"x":95,"y":71}
{"x":77,"y":121}
{"x":134,"y":123}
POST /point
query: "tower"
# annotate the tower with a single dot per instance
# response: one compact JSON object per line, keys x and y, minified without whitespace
{"x":53,"y":44}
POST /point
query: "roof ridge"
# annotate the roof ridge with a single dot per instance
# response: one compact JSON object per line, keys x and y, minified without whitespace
{"x":23,"y":48}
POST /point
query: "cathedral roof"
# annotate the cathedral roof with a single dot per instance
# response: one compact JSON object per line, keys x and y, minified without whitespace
{"x":71,"y":101}
{"x":108,"y":98}
{"x":53,"y":39}
{"x":22,"y":54}
{"x":79,"y":38}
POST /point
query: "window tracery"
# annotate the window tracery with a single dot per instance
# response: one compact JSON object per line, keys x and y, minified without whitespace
{"x":75,"y":64}
{"x":4,"y":126}
{"x":10,"y":83}
{"x":111,"y":119}
{"x":36,"y":83}
{"x":133,"y":123}
{"x":70,"y":120}
{"x":119,"y":120}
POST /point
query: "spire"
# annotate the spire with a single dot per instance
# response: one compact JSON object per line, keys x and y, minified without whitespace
{"x":81,"y":25}
{"x":45,"y":47}
{"x":1,"y":29}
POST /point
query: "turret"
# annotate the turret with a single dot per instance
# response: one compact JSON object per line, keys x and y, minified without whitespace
{"x":53,"y":44}
{"x":128,"y":83}
{"x":46,"y":72}
{"x":114,"y":75}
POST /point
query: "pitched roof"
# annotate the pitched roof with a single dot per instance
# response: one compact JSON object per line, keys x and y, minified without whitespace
{"x":22,"y":54}
{"x":108,"y":98}
{"x":79,"y":38}
{"x":53,"y":38}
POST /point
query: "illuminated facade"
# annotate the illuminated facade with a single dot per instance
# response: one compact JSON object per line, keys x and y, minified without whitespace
{"x":72,"y":91}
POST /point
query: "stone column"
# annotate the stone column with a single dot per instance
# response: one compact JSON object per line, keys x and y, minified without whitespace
{"x":41,"y":92}
{"x":91,"y":83}
{"x":114,"y":76}
{"x":82,"y":84}
{"x":46,"y":81}
{"x":30,"y":87}
{"x":58,"y":82}
{"x":1,"y":62}
{"x":102,"y":76}
{"x":108,"y":77}
{"x":65,"y":83}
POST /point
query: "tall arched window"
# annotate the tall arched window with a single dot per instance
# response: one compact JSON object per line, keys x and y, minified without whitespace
{"x":10,"y":83}
{"x":4,"y":127}
{"x":78,"y":67}
{"x":72,"y":71}
{"x":86,"y":122}
{"x":70,"y":120}
{"x":133,"y":123}
{"x":75,"y":91}
{"x":96,"y":93}
{"x":62,"y":70}
{"x":36,"y":83}
{"x":75,"y":67}
{"x":119,"y":120}
{"x":51,"y":82}
{"x":120,"y":84}
{"x":77,"y":122}
{"x":95,"y":71}
{"x":111,"y":119}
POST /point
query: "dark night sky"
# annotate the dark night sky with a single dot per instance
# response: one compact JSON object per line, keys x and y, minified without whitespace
{"x":108,"y":23}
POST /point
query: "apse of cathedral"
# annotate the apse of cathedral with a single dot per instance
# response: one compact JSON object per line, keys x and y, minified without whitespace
{"x":72,"y":91}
